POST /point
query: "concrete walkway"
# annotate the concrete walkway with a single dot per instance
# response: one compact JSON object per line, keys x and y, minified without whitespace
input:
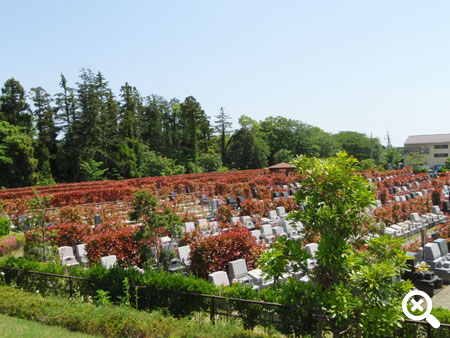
{"x":442,"y":298}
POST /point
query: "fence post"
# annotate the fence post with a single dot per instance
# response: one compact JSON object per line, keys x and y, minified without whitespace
{"x":428,"y":331}
{"x":212,"y":311}
{"x":70,"y":288}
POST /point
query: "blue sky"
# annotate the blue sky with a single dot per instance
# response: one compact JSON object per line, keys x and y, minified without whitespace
{"x":339,"y":65}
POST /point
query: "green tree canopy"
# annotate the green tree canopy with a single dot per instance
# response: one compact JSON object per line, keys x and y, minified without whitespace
{"x":14,"y":108}
{"x":17,"y":163}
{"x":246,"y":149}
{"x":353,"y":285}
{"x":359,"y":145}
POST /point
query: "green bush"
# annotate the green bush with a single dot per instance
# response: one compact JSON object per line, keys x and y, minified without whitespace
{"x":161,"y":292}
{"x":108,"y":321}
{"x":5,"y":226}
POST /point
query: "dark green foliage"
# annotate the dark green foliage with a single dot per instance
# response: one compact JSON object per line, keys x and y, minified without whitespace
{"x":359,"y":145}
{"x":246,"y":149}
{"x":5,"y":226}
{"x":14,"y":109}
{"x":108,"y":321}
{"x":223,"y":127}
{"x":46,"y":144}
{"x":137,"y":136}
{"x":209,"y":162}
{"x":282,"y":155}
{"x":17,"y":163}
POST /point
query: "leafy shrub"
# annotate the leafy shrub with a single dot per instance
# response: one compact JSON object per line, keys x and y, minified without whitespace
{"x":436,"y":197}
{"x":210,"y":254}
{"x":108,"y":321}
{"x":11,"y":243}
{"x":119,"y":242}
{"x":71,"y":234}
{"x":224,"y":213}
{"x":5,"y":226}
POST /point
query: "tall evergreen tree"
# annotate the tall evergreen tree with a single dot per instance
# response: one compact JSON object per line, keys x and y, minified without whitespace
{"x":66,"y":104}
{"x":46,"y":144}
{"x":223,"y":127}
{"x":68,"y":120}
{"x":247,"y":149}
{"x":130,"y":109}
{"x":14,"y":108}
{"x":152,"y":120}
{"x":195,"y":127}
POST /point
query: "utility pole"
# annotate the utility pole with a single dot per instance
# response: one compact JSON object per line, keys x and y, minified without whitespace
{"x":389,"y":144}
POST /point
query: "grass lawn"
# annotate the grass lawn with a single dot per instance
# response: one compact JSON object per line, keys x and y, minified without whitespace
{"x":11,"y":327}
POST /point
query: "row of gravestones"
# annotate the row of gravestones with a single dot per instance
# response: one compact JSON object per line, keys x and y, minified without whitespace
{"x":237,"y":272}
{"x":416,"y":223}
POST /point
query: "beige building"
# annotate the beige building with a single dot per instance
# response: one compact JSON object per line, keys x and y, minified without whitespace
{"x":433,"y":150}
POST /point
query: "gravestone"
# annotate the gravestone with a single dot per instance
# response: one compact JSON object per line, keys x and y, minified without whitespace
{"x":240,"y":199}
{"x":256,"y":234}
{"x":435,"y":210}
{"x":80,"y":251}
{"x":214,"y":205}
{"x":312,"y":248}
{"x":443,"y":247}
{"x":272,"y":214}
{"x":109,"y":261}
{"x":414,"y":217}
{"x":97,"y":219}
{"x":219,"y":278}
{"x":237,"y":269}
{"x":231,"y":201}
{"x":281,"y":212}
{"x":446,"y":206}
{"x":183,"y":253}
{"x":189,"y":226}
{"x":432,"y":251}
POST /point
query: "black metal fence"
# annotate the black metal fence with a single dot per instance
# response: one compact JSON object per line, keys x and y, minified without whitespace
{"x":251,"y":312}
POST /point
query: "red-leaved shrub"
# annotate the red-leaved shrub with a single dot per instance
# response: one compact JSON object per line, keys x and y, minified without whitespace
{"x":119,"y":242}
{"x":71,"y":234}
{"x":210,"y":254}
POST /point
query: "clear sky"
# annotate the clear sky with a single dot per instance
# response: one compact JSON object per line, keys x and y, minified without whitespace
{"x":367,"y":66}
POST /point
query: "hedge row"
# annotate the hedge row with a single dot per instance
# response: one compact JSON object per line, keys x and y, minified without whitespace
{"x":162,"y":294}
{"x":162,"y":290}
{"x":108,"y":321}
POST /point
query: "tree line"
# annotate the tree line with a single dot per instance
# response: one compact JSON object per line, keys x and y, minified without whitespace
{"x":86,"y":132}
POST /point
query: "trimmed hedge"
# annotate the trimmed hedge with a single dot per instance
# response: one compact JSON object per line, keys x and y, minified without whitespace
{"x":160,"y":292}
{"x":109,"y":321}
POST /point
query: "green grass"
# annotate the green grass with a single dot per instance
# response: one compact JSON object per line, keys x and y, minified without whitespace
{"x":11,"y":327}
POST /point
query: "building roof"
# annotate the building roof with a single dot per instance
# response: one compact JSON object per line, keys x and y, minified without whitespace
{"x":282,"y":165}
{"x":427,"y":139}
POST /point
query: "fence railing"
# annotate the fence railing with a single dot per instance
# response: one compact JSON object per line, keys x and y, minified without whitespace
{"x":265,"y":313}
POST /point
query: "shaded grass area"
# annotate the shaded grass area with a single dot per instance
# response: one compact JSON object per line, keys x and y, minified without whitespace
{"x":11,"y":327}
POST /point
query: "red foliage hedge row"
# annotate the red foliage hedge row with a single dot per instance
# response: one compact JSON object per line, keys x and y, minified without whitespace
{"x":400,"y":211}
{"x":104,"y":241}
{"x":119,"y":242}
{"x":210,"y":254}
